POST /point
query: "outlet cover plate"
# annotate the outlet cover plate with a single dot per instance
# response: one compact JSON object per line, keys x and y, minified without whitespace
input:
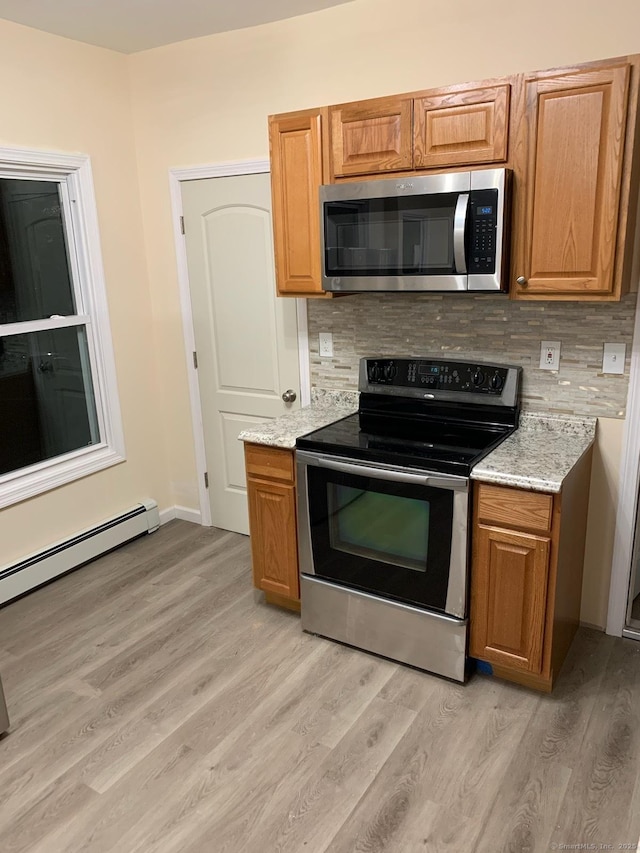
{"x":613,"y":358}
{"x":325,"y":344}
{"x":550,"y":355}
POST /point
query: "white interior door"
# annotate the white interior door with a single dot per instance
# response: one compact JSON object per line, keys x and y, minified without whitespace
{"x":246,"y":338}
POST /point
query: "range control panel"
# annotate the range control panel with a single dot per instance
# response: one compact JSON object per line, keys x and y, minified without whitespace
{"x":432,"y":375}
{"x":483,"y":223}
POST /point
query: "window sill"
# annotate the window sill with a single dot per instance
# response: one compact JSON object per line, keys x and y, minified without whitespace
{"x":27,"y":482}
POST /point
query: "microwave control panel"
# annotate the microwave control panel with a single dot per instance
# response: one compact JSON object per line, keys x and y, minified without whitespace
{"x":430,"y":375}
{"x":483,"y":225}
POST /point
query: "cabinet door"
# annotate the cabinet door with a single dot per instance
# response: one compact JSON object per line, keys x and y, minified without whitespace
{"x":460,"y":128}
{"x":295,"y":141}
{"x":371,"y":137}
{"x":508,"y":597}
{"x":272,"y":521}
{"x":568,"y":217}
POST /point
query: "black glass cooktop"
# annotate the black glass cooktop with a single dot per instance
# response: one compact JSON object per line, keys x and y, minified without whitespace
{"x":441,"y":446}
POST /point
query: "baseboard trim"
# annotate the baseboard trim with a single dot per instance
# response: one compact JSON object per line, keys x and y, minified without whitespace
{"x":181,"y":512}
{"x":77,"y":550}
{"x":584,"y":624}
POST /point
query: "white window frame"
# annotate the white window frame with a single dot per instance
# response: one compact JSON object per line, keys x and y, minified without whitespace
{"x":73,"y":171}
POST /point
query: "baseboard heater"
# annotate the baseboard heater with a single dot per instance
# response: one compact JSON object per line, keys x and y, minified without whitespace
{"x":62,"y":557}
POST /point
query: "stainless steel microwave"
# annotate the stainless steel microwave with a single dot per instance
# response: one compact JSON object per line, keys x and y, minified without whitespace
{"x":446,"y":232}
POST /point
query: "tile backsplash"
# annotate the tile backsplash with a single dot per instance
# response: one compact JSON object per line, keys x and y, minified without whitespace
{"x":487,"y":327}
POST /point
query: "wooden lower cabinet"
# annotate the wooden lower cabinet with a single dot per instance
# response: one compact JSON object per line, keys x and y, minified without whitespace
{"x":526,"y":566}
{"x":512,"y":572}
{"x":271,"y":495}
{"x":526,"y":577}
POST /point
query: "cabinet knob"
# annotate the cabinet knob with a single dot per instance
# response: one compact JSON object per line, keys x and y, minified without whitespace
{"x":521,"y":280}
{"x":289,"y":396}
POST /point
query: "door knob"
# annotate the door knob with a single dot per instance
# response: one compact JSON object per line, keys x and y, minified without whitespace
{"x":289,"y":396}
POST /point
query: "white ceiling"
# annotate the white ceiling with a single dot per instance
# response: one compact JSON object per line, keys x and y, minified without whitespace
{"x":132,"y":25}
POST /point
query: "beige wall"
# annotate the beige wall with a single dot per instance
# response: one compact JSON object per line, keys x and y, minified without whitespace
{"x":62,"y":95}
{"x":206,"y":101}
{"x":603,"y":504}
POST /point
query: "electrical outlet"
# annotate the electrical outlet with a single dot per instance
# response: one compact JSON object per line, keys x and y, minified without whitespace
{"x":550,"y":355}
{"x":613,"y":358}
{"x":326,"y":345}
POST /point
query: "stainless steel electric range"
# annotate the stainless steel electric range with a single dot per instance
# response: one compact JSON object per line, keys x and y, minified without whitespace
{"x":384,"y":507}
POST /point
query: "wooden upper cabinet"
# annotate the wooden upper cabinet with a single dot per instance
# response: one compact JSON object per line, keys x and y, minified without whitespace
{"x":371,"y":137}
{"x":570,"y":178}
{"x":296,"y":146}
{"x":463,"y":127}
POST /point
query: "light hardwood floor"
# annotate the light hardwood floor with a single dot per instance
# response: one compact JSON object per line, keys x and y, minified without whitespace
{"x":157,"y":704}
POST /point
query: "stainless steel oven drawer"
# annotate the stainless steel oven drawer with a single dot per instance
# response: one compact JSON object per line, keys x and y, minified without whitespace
{"x":398,"y":631}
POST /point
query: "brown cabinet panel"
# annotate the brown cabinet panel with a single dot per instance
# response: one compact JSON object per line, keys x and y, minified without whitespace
{"x":371,"y":136}
{"x":509,"y":593}
{"x":272,"y":521}
{"x":461,"y":127}
{"x":269,"y":462}
{"x":514,"y":508}
{"x":526,"y":582}
{"x":568,"y":218}
{"x":296,"y":173}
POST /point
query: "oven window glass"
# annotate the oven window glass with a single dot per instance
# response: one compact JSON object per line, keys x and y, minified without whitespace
{"x":388,"y":528}
{"x":407,"y":235}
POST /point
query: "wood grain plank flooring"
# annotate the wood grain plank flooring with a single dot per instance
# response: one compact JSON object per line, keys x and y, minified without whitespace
{"x":158,"y":705}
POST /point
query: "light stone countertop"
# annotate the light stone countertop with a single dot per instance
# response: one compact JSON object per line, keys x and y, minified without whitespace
{"x":282,"y":432}
{"x":539,"y":454}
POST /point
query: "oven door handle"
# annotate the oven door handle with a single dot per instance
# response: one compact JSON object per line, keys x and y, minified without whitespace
{"x":432,"y":480}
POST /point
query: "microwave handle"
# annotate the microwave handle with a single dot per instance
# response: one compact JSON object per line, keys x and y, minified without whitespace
{"x":459,"y":226}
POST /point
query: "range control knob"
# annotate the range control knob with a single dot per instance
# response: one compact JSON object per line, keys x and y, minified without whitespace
{"x":390,"y":371}
{"x":373,"y":372}
{"x":496,"y":382}
{"x":477,"y":378}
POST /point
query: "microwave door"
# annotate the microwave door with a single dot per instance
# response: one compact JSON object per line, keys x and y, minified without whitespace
{"x":391,"y":234}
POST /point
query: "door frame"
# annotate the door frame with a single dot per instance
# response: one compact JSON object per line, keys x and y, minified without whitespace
{"x":629,"y":484}
{"x":196,"y":173}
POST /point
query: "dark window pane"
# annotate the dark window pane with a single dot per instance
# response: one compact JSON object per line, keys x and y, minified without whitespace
{"x":47,"y":404}
{"x":407,"y":235}
{"x":35,"y":281}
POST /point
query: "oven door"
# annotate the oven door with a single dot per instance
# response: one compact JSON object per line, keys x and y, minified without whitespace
{"x":394,"y":533}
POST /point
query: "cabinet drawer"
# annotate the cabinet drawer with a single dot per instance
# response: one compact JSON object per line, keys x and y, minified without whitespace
{"x":274,"y":463}
{"x":514,"y":508}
